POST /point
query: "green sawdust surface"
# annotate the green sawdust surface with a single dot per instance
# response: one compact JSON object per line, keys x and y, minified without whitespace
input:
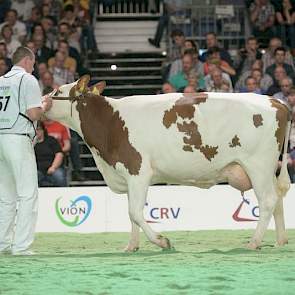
{"x":203,"y":262}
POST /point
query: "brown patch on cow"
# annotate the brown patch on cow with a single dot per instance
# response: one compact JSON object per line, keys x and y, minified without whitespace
{"x":183,"y":108}
{"x":257,"y":120}
{"x":235,"y":142}
{"x":282,"y":117}
{"x":104,"y":129}
{"x":187,"y":148}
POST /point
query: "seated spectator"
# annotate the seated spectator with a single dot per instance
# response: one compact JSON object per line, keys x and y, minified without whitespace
{"x":264,"y":81}
{"x":209,"y":83}
{"x":189,"y":89}
{"x":60,"y":133}
{"x":285,"y":18}
{"x":6,"y":37}
{"x":46,"y":83}
{"x":211,"y":41}
{"x":54,"y":7}
{"x":168,"y":88}
{"x":252,"y":86}
{"x":51,"y":31}
{"x":262,"y":17}
{"x":215,"y":58}
{"x":280,"y":55}
{"x":18,"y":27}
{"x":279,"y":74}
{"x":43,"y":53}
{"x":34,"y":19}
{"x":23,"y":8}
{"x":69,"y":63}
{"x":3,"y":66}
{"x":190,"y":44}
{"x":217,"y":83}
{"x":4,"y":7}
{"x":291,"y":101}
{"x":49,"y":158}
{"x":247,"y":56}
{"x":198,"y":66}
{"x":268,"y":57}
{"x":61,"y":75}
{"x":178,"y":40}
{"x":3,"y":54}
{"x":180,"y":80}
{"x":285,"y":85}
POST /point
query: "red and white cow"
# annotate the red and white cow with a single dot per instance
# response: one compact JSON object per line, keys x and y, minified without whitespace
{"x":199,"y":139}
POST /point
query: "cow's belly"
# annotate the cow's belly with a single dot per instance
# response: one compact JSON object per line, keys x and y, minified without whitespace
{"x":233,"y":173}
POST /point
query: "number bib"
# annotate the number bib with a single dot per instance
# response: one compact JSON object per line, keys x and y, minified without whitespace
{"x":9,"y":104}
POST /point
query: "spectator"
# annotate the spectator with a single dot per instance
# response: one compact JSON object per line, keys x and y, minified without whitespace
{"x":189,"y":89}
{"x":168,"y":88}
{"x":262,"y":17}
{"x":23,"y":8}
{"x":51,"y":31}
{"x":43,"y":53}
{"x":209,"y":83}
{"x":3,"y":53}
{"x":60,"y":133}
{"x":248,"y":55}
{"x":34,"y":19}
{"x":55,"y":8}
{"x":18,"y":27}
{"x":211,"y":41}
{"x":280,"y":56}
{"x":47,"y":83}
{"x":268,"y":57}
{"x":190,"y":44}
{"x":69,"y":63}
{"x":60,"y":73}
{"x":263,"y":81}
{"x":6,"y":37}
{"x":285,"y":85}
{"x":198,"y":66}
{"x":252,"y":86}
{"x":279,"y":74}
{"x":214,"y":57}
{"x":291,"y":101}
{"x":217,"y":82}
{"x":49,"y":159}
{"x":4,"y":7}
{"x":285,"y":17}
{"x":188,"y":74}
{"x":3,"y":66}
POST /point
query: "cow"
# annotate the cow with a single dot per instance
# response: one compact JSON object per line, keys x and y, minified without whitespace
{"x":198,"y":139}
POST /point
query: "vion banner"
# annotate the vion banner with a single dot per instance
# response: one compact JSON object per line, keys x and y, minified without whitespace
{"x":168,"y":208}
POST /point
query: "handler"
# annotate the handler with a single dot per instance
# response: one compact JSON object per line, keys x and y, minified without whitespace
{"x":21,"y":105}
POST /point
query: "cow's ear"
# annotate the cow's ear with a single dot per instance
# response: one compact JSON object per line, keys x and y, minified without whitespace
{"x":82,"y":83}
{"x":98,"y":88}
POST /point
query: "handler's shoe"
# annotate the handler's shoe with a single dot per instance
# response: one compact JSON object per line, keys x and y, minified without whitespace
{"x":23,"y":253}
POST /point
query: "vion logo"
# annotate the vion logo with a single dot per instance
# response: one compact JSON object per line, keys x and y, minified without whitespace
{"x":246,"y":212}
{"x":75,"y":213}
{"x":158,"y":214}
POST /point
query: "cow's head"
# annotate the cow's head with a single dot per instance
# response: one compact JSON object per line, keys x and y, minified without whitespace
{"x":65,"y":101}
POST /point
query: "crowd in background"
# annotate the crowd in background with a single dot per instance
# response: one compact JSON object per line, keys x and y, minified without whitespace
{"x":60,"y":33}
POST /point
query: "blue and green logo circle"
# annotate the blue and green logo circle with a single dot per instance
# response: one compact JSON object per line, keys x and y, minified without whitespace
{"x":76,"y":213}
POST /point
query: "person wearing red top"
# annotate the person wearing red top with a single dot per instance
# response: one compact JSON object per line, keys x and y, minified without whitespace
{"x":60,"y":133}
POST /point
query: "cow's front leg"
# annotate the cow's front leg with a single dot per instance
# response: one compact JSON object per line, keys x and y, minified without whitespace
{"x":133,"y":244}
{"x":137,"y":193}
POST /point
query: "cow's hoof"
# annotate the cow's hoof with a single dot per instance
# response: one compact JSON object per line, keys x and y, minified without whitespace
{"x":164,"y":243}
{"x":253,"y":246}
{"x":281,"y":243}
{"x":131,"y":249}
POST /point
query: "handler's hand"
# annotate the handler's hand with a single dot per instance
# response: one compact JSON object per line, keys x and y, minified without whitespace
{"x":46,"y":103}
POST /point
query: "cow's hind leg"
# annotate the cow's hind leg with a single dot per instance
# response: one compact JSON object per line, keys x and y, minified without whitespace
{"x":267,"y":199}
{"x":133,"y":244}
{"x":137,"y":193}
{"x":280,"y":223}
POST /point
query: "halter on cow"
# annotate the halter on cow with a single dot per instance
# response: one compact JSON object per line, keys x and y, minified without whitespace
{"x":200,"y":139}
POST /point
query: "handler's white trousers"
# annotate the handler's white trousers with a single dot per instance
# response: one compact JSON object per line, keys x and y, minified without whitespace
{"x":18,"y":184}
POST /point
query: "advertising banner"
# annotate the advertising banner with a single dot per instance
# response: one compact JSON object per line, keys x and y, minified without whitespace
{"x":168,"y":208}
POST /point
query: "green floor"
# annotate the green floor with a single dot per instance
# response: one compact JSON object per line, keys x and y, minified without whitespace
{"x":205,"y":262}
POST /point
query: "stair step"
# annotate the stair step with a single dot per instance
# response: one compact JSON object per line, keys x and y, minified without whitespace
{"x":133,"y":86}
{"x":127,"y":60}
{"x":125,"y":69}
{"x":123,"y":78}
{"x":87,"y":183}
{"x":123,"y":25}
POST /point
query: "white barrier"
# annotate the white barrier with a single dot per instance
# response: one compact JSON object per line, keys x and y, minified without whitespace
{"x":169,"y":208}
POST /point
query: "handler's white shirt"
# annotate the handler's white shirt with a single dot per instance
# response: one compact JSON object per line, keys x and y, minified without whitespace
{"x":30,"y":97}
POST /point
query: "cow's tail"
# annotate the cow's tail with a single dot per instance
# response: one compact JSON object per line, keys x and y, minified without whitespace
{"x":284,"y":178}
